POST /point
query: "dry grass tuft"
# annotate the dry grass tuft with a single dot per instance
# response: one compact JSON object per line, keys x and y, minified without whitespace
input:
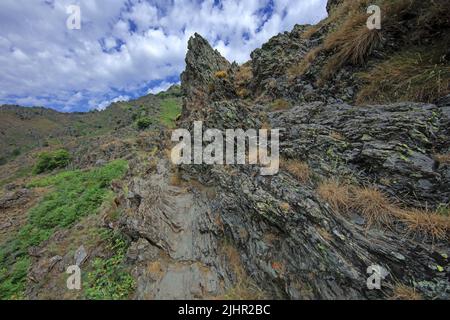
{"x":425,"y":223}
{"x":175,"y":179}
{"x":442,"y":158}
{"x":279,"y":105}
{"x":336,"y":194}
{"x":403,"y":292}
{"x":245,"y":288}
{"x":308,"y":33}
{"x":413,"y":75}
{"x":409,"y":76}
{"x":379,"y":210}
{"x":299,"y":169}
{"x":221,"y":74}
{"x":300,"y":68}
{"x":354,"y":47}
{"x":373,"y":205}
{"x":285,"y":207}
{"x":244,"y":75}
{"x":336,"y":135}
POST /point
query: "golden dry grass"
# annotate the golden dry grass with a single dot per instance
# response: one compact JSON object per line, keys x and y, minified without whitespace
{"x":336,"y":135}
{"x":245,"y":288}
{"x":285,"y":207}
{"x":404,"y":292}
{"x":412,"y":75}
{"x":337,"y":194}
{"x":302,"y":66}
{"x":308,"y":33}
{"x":242,"y":79}
{"x":425,"y":223}
{"x":244,"y":74}
{"x":354,"y":45}
{"x":442,"y":158}
{"x":279,"y":105}
{"x":299,"y":169}
{"x":373,"y":205}
{"x":351,"y":42}
{"x":379,"y":210}
{"x":221,"y":74}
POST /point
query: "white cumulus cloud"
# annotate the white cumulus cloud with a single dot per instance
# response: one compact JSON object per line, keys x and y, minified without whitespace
{"x":125,"y":48}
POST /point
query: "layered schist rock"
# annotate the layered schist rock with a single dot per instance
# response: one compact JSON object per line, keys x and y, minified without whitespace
{"x":290,"y":241}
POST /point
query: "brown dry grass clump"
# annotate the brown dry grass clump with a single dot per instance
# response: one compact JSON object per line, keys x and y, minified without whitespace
{"x":285,"y":207}
{"x":404,"y":292}
{"x":373,"y":205}
{"x":337,"y":194}
{"x":301,"y":67}
{"x":279,"y":105}
{"x":221,"y":74}
{"x":414,"y":75}
{"x":244,"y":288}
{"x":242,"y":79}
{"x":442,"y":158}
{"x":244,"y":74}
{"x":308,"y":33}
{"x":299,"y":169}
{"x":379,"y":210}
{"x":352,"y":42}
{"x":425,"y":223}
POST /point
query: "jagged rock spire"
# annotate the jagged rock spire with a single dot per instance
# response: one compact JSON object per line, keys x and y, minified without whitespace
{"x":331,"y":4}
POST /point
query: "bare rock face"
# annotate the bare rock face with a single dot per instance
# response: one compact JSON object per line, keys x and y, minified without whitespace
{"x":175,"y":248}
{"x":291,"y":242}
{"x":202,"y":65}
{"x":391,"y":146}
{"x":14,"y":198}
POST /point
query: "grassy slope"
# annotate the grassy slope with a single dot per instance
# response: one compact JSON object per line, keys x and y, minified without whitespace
{"x":75,"y":194}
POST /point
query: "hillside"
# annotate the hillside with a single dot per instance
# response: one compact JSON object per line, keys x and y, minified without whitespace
{"x":364,"y":174}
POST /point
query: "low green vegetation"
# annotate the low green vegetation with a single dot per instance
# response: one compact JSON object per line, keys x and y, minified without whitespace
{"x":109,"y":280}
{"x":170,"y":111}
{"x":143,"y":123}
{"x":48,"y":161}
{"x":74,"y":194}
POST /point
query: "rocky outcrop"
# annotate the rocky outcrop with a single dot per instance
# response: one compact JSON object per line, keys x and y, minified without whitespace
{"x":290,"y":241}
{"x":202,"y":65}
{"x":175,"y":249}
{"x":332,"y":4}
{"x":391,"y":146}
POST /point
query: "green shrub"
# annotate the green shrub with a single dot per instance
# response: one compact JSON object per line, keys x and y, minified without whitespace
{"x":75,"y":194}
{"x":143,"y":123}
{"x":48,"y":161}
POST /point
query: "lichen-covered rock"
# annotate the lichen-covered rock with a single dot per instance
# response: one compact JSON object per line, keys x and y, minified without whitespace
{"x":289,"y":240}
{"x":391,"y":146}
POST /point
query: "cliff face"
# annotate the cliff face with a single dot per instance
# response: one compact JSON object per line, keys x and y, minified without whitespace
{"x":294,"y":240}
{"x":359,"y":185}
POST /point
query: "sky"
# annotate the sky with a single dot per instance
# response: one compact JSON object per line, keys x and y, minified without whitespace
{"x":125,"y":49}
